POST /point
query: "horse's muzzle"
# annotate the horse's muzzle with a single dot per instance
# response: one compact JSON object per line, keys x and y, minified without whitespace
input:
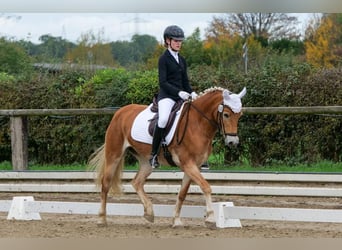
{"x":231,"y":140}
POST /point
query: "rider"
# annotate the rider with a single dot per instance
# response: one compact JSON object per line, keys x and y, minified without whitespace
{"x":173,"y":84}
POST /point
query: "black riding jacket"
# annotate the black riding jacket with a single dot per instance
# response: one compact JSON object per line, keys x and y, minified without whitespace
{"x":173,"y":76}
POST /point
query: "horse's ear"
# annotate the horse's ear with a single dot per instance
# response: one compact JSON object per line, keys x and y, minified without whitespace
{"x":242,"y":93}
{"x":226,"y":95}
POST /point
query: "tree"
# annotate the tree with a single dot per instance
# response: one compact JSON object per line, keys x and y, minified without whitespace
{"x":288,"y":46}
{"x":13,"y":58}
{"x":91,"y":50}
{"x":121,"y":51}
{"x":320,"y":42}
{"x":193,"y":49}
{"x":136,"y":51}
{"x":52,"y":48}
{"x":224,"y":50}
{"x":263,"y":26}
{"x":336,"y":18}
{"x":152,"y":62}
{"x":144,"y":46}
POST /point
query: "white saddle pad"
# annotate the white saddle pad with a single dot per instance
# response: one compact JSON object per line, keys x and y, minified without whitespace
{"x":139,"y":131}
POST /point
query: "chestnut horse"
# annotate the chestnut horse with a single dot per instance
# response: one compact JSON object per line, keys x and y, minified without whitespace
{"x":216,"y":109}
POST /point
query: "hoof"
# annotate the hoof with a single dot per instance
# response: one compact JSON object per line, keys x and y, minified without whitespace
{"x":102,"y":223}
{"x":149,"y":217}
{"x":177,"y":223}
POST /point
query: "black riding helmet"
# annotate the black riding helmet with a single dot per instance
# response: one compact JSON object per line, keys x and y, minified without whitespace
{"x":173,"y":32}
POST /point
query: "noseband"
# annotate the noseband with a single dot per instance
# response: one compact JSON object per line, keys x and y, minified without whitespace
{"x":220,"y":123}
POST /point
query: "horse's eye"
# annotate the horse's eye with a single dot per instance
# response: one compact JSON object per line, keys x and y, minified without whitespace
{"x":226,"y":115}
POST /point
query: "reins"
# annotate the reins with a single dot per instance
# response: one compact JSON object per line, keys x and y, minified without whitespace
{"x":186,"y":122}
{"x":186,"y":112}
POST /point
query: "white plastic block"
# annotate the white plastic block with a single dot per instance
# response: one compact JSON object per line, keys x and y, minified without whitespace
{"x":18,"y":209}
{"x":221,"y":219}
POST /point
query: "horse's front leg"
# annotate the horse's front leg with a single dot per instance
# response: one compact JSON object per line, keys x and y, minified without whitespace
{"x":138,"y":184}
{"x":180,"y":199}
{"x":196,"y":176}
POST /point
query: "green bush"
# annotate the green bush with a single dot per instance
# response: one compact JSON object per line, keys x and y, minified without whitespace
{"x":293,"y":139}
{"x":282,"y":139}
{"x":52,"y":139}
{"x":142,"y":87}
{"x":6,"y":78}
{"x":265,"y":139}
{"x":107,"y":88}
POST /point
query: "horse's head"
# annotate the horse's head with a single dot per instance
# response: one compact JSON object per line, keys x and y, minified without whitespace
{"x":229,"y":113}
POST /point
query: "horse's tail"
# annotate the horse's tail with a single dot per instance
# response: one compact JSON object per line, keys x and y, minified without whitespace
{"x":97,"y":162}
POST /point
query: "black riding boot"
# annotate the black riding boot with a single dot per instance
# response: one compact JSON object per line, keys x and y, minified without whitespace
{"x":157,"y":138}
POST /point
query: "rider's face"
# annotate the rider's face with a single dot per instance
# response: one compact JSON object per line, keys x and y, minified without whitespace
{"x":175,"y":44}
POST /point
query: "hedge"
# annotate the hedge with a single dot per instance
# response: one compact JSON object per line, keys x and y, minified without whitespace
{"x":265,"y":139}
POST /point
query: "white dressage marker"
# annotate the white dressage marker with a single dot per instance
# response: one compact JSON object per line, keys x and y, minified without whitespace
{"x":18,"y":209}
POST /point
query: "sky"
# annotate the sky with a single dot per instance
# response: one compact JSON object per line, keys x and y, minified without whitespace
{"x":111,"y":26}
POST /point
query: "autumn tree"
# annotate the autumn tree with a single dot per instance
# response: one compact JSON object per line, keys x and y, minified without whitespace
{"x":337,"y":20}
{"x":263,"y":26}
{"x":193,"y":49}
{"x":91,"y":49}
{"x":224,"y":50}
{"x":321,"y":41}
{"x":225,"y":46}
{"x":226,"y":35}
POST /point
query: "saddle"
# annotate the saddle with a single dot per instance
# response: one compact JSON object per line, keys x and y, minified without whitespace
{"x":154,"y":108}
{"x":153,"y":122}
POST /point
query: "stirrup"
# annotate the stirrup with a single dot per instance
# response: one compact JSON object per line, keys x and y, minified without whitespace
{"x":154,"y":161}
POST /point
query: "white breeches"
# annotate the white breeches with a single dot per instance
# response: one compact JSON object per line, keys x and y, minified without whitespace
{"x":164,"y":109}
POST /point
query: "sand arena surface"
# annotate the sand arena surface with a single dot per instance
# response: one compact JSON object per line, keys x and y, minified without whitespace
{"x":123,"y":227}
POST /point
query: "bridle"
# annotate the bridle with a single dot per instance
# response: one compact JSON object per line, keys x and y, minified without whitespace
{"x":218,"y":123}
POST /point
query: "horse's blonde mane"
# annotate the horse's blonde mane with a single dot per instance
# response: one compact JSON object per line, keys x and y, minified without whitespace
{"x":209,"y":90}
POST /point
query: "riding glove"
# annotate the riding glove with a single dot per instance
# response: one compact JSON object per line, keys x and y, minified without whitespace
{"x":194,"y":95}
{"x":184,"y":95}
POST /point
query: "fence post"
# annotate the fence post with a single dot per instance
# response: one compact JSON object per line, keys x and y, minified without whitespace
{"x":19,"y":135}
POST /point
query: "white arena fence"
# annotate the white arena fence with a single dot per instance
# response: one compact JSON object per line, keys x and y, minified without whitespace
{"x":229,"y":183}
{"x":227,"y":215}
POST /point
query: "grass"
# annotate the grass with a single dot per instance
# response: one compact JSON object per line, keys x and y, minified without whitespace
{"x":320,"y":167}
{"x":7,"y":166}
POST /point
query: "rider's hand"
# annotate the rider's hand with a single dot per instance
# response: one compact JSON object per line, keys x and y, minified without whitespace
{"x":194,"y":95}
{"x":184,"y":95}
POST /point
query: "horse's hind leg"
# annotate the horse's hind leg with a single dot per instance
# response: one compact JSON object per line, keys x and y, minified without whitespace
{"x":102,"y":212}
{"x":180,"y":199}
{"x":138,"y":183}
{"x":110,"y":176}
